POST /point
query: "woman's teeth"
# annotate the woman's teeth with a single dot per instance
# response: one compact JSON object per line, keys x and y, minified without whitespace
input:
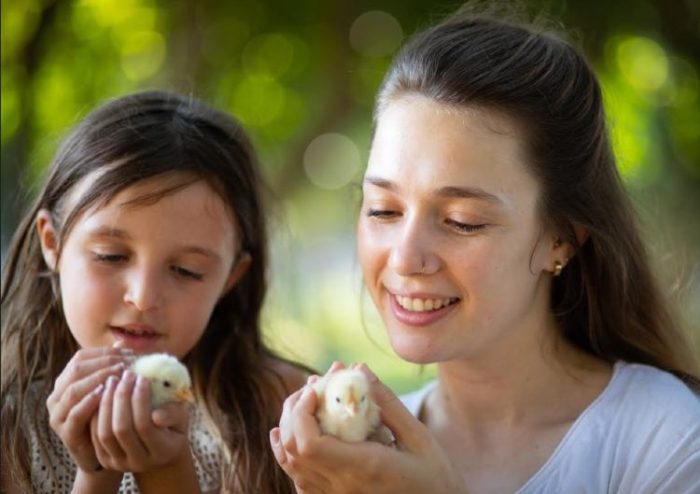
{"x":424,"y":304}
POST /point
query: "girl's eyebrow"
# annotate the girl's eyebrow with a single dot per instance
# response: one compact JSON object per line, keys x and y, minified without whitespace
{"x":110,"y":232}
{"x":448,"y":191}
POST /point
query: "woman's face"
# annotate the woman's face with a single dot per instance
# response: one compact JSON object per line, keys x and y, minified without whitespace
{"x":148,"y":274}
{"x":452,"y":250}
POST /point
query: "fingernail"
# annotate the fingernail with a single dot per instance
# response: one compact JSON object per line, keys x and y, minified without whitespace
{"x":99,"y":389}
{"x":140,"y":382}
{"x":370,"y":375}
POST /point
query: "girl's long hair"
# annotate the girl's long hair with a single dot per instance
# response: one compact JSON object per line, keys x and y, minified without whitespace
{"x":607,"y":300}
{"x":140,"y":136}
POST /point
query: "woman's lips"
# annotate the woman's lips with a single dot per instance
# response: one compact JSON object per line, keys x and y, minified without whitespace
{"x":413,"y":311}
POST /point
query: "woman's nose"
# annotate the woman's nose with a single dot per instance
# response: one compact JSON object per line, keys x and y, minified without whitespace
{"x":143,"y":290}
{"x":412,"y":252}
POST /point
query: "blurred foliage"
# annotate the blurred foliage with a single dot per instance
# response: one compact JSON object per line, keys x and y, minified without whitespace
{"x":301,"y":76}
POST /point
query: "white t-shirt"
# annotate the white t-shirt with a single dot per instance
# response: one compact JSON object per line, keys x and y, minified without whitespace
{"x":640,"y":436}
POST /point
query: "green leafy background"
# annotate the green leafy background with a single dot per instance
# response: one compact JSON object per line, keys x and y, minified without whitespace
{"x":301,"y":76}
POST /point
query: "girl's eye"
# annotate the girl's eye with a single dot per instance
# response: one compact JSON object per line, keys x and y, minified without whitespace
{"x":186,"y":273}
{"x":108,"y":258}
{"x":381,"y":213}
{"x":464,"y":227}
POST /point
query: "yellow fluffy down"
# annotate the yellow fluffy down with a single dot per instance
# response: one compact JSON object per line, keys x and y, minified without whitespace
{"x":168,"y":377}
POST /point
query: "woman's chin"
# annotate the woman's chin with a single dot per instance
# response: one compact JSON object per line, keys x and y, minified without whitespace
{"x":414,"y":350}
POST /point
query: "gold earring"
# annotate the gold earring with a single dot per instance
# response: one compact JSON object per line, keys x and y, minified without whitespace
{"x":558,"y":266}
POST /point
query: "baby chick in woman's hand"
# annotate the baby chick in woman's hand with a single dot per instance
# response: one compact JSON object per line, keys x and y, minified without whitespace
{"x":169,"y":378}
{"x":345,"y":408}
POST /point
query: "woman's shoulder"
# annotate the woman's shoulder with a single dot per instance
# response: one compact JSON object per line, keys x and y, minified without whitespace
{"x":414,"y":400}
{"x":642,"y":434}
{"x":647,"y":391}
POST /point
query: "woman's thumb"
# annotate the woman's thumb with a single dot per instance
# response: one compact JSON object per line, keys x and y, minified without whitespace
{"x":409,"y":432}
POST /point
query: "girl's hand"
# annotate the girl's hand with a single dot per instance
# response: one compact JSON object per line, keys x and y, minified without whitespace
{"x":129,"y":436}
{"x":76,"y":396}
{"x":323,"y":464}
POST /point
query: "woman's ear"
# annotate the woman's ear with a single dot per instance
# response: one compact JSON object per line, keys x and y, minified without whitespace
{"x":237,"y":272}
{"x":48,"y":238}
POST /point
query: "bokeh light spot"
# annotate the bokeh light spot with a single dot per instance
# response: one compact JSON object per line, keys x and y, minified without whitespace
{"x":258,"y":100}
{"x":375,"y":34}
{"x":268,"y":54}
{"x":643,"y":63}
{"x":142,"y":54}
{"x":331,"y":161}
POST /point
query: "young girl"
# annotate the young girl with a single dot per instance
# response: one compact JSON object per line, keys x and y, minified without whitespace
{"x":496,"y":240}
{"x":148,"y":236}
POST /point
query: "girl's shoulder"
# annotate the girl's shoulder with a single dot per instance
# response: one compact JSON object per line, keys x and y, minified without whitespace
{"x":291,"y":376}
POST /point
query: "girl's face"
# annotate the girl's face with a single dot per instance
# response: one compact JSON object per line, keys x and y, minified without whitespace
{"x":148,"y":274}
{"x":452,"y":250}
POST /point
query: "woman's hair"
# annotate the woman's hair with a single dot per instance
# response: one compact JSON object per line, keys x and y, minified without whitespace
{"x":130,"y":139}
{"x":606,"y":301}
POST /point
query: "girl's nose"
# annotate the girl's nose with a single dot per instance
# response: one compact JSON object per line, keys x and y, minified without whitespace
{"x":412,"y":252}
{"x":143,"y":290}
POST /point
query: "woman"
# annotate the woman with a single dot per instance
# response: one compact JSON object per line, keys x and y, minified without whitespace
{"x":497,"y":241}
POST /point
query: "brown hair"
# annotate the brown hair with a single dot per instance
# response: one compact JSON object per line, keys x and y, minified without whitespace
{"x":607,"y":301}
{"x":144,"y":135}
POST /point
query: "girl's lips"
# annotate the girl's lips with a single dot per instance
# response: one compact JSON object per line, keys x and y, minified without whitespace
{"x":137,"y":339}
{"x":423,"y":318}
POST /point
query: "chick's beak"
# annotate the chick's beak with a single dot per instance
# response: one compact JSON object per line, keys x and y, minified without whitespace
{"x":352,"y":406}
{"x":184,"y":394}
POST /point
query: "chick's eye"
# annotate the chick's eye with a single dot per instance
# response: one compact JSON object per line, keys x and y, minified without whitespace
{"x":337,"y":399}
{"x":166,"y":384}
{"x":362,"y":399}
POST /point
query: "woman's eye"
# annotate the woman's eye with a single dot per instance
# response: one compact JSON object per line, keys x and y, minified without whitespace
{"x":186,"y":273}
{"x":108,"y":258}
{"x":464,"y":227}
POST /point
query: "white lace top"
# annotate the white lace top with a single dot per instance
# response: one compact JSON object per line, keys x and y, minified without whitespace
{"x":54,"y":472}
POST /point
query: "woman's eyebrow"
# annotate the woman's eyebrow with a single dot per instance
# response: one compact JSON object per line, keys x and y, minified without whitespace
{"x":447,"y":191}
{"x":469,"y":193}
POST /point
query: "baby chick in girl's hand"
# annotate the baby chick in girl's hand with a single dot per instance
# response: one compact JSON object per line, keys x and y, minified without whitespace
{"x":345,"y":408}
{"x":169,"y":378}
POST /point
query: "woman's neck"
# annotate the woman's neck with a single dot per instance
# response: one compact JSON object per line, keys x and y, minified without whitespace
{"x":550,"y":381}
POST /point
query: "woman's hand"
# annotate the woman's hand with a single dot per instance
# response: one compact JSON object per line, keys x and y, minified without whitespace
{"x":76,"y":396}
{"x":129,"y":436}
{"x":323,"y":464}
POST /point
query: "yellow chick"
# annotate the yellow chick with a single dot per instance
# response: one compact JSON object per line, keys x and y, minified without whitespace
{"x":169,"y":378}
{"x":345,"y":408}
